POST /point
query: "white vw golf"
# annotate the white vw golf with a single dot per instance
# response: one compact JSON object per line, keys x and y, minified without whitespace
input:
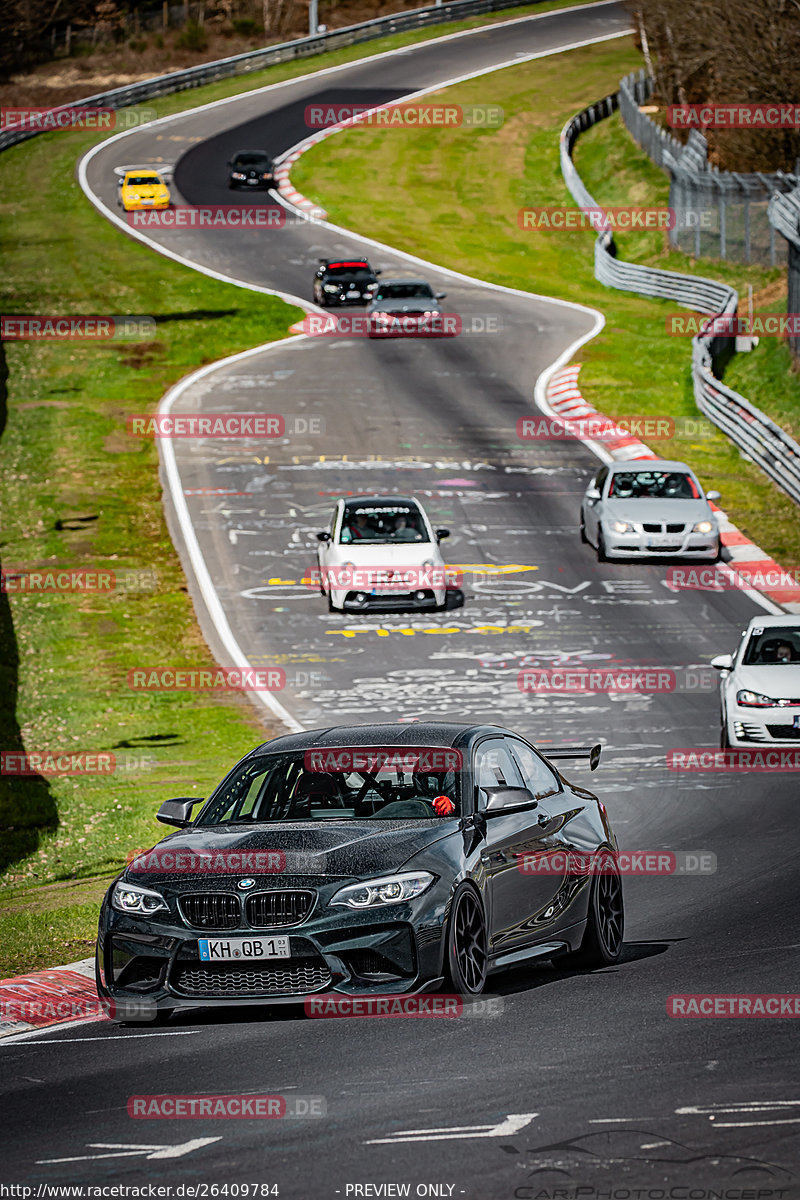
{"x":381,"y":552}
{"x":760,"y":684}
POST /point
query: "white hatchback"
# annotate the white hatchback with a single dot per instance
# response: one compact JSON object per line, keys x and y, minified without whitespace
{"x":381,"y":552}
{"x":760,"y":685}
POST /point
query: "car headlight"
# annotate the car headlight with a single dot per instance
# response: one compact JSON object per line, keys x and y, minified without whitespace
{"x":266,"y":175}
{"x":133,"y":196}
{"x":390,"y":890}
{"x":237,"y":175}
{"x":129,"y":898}
{"x":330,"y":287}
{"x":750,"y":699}
{"x":622,"y":527}
{"x":703,"y":527}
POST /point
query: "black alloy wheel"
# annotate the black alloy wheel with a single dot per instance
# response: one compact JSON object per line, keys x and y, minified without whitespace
{"x":605,"y":925}
{"x":467,"y":953}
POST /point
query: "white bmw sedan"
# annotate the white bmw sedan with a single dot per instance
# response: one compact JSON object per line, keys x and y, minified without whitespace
{"x":760,"y":685}
{"x":649,"y":509}
{"x":381,"y":552}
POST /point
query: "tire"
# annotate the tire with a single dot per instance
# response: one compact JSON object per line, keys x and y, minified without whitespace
{"x":724,"y":740}
{"x":605,"y":925}
{"x":601,"y":547}
{"x":466,"y":956}
{"x":330,"y":603}
{"x":584,"y":538}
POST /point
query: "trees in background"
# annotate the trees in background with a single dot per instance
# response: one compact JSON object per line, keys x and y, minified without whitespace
{"x":725,"y":51}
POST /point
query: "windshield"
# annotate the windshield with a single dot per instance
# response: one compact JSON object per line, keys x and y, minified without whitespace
{"x":404,"y":291}
{"x":341,"y":784}
{"x":664,"y":485}
{"x":251,"y":160}
{"x":779,"y":644}
{"x":144,"y":180}
{"x":383,"y":523}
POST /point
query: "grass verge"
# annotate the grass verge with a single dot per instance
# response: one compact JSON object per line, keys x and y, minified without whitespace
{"x":453,"y":196}
{"x":78,"y":492}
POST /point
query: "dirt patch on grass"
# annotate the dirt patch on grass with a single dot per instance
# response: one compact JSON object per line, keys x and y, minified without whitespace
{"x":55,"y":895}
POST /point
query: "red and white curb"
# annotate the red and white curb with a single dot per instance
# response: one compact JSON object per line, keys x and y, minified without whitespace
{"x":58,"y":996}
{"x":291,"y":193}
{"x":757,"y":571}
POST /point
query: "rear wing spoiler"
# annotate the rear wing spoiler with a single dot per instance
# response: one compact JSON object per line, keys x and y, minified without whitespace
{"x":590,"y":752}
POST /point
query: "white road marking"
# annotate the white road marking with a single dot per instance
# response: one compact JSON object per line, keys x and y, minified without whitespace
{"x":125,"y":1150}
{"x":512,"y":1124}
{"x":736,"y":1106}
{"x":115,"y":1037}
{"x":750,"y":1124}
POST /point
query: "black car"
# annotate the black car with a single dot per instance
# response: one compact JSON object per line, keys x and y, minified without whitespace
{"x":369,"y":860}
{"x":251,"y":169}
{"x":344,"y":281}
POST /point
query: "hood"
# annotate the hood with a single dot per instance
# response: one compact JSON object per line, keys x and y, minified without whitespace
{"x":780,"y":681}
{"x":386,"y":554}
{"x":670,"y":512}
{"x":416,"y":304}
{"x":354,"y":848}
{"x":148,"y":191}
{"x":351,"y":281}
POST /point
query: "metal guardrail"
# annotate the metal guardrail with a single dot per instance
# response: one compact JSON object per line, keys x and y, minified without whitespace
{"x":784,"y":216}
{"x":759,"y":438}
{"x":733,"y":204}
{"x":256,"y":60}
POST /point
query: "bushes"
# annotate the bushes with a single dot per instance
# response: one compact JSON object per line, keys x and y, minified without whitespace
{"x":193,"y":37}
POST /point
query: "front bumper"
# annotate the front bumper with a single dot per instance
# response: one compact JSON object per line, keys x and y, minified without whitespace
{"x":775,"y":726}
{"x":643,"y":544}
{"x":343,"y":301}
{"x":376,"y":600}
{"x":146,"y":967}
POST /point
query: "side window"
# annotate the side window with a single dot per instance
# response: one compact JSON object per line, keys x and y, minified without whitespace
{"x":494,"y":767}
{"x":600,"y":479}
{"x":538,"y":777}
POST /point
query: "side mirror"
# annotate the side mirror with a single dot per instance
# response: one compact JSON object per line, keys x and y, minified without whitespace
{"x":323,"y":537}
{"x":723,"y":662}
{"x":442,"y":533}
{"x":509,"y":800}
{"x":593,"y":495}
{"x":441,"y":295}
{"x":377,"y":272}
{"x":713,"y":496}
{"x":178,"y":812}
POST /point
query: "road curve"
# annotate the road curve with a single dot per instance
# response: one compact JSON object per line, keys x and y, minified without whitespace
{"x":583,"y":1079}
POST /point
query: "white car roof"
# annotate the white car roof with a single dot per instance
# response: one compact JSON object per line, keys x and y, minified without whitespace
{"x":769,"y":622}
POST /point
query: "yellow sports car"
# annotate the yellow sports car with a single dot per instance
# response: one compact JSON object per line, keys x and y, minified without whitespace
{"x":143,"y":189}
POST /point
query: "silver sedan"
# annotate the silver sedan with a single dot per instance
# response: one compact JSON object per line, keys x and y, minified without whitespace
{"x":408,"y":308}
{"x":653,"y":509}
